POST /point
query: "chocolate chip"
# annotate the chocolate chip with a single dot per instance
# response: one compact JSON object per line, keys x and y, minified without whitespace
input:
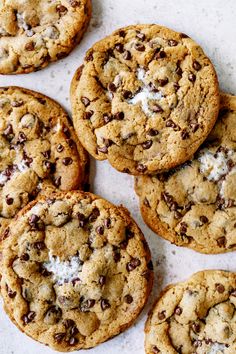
{"x":196,"y":327}
{"x":107,"y":118}
{"x":74,"y":330}
{"x":194,"y":127}
{"x":196,"y":65}
{"x":119,"y":47}
{"x":30,"y":46}
{"x":161,"y":315}
{"x":183,"y":228}
{"x":68,"y":323}
{"x":46,"y":154}
{"x":129,"y":234}
{"x":44,"y":272}
{"x":155,"y":350}
{"x":47,"y":164}
{"x":156,"y":108}
{"x":86,"y":305}
{"x":105,"y":304}
{"x":147,"y":144}
{"x":8,"y":132}
{"x":152,"y":132}
{"x":25,"y":257}
{"x":75,"y":3}
{"x":172,"y":43}
{"x":133,"y":264}
{"x":160,"y":55}
{"x":178,"y":310}
{"x":220,"y":288}
{"x":60,"y":148}
{"x":57,"y":181}
{"x":192,"y":77}
{"x":21,"y":137}
{"x":163,"y":82}
{"x":141,"y":168}
{"x":116,"y":254}
{"x":82,"y":219}
{"x":233,"y":293}
{"x":59,"y":337}
{"x":122,"y":33}
{"x":112,"y":87}
{"x":140,"y":36}
{"x":9,"y":200}
{"x":203,"y":219}
{"x":128,"y":299}
{"x":17,"y":104}
{"x":171,"y":124}
{"x":107,"y":223}
{"x":127,"y":94}
{"x":75,"y":281}
{"x":94,"y":215}
{"x":85,"y":101}
{"x":28,"y":317}
{"x":119,"y":116}
{"x":176,"y":86}
{"x":123,"y":244}
{"x":53,"y":315}
{"x":102,"y":149}
{"x":184,"y":134}
{"x":102,"y":280}
{"x":10,"y":292}
{"x":139,"y":47}
{"x":61,"y":9}
{"x":67,"y":161}
{"x":127,"y":55}
{"x":221,"y":241}
{"x":100,"y":230}
{"x":179,"y":71}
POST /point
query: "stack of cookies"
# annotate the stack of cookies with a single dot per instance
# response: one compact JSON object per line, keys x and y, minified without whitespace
{"x":75,"y":269}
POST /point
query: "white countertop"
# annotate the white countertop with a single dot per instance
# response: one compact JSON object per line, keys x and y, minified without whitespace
{"x":212,"y":24}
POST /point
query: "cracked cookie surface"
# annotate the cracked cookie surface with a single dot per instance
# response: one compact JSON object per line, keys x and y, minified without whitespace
{"x":145,"y":98}
{"x":39,"y":149}
{"x":34,"y":33}
{"x":194,"y":205}
{"x":195,"y":317}
{"x":76,"y":270}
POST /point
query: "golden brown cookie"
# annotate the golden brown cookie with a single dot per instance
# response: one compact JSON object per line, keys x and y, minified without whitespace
{"x":76,"y":270}
{"x":34,"y":33}
{"x":195,"y":317}
{"x":194,"y":205}
{"x":38,"y":148}
{"x":145,"y":98}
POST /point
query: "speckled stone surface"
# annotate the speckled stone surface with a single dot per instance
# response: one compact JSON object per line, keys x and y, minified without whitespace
{"x":211,"y":24}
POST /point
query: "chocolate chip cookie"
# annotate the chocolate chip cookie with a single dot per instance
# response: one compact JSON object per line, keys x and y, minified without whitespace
{"x":145,"y":98}
{"x":39,"y":149}
{"x":194,"y":205}
{"x":195,"y":317}
{"x":34,"y":33}
{"x":76,"y":270}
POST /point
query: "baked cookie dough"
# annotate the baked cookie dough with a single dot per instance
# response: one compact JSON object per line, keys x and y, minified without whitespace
{"x":34,"y":33}
{"x":76,"y":270}
{"x":145,"y":98}
{"x":194,"y":205}
{"x":195,"y":317}
{"x":38,"y":150}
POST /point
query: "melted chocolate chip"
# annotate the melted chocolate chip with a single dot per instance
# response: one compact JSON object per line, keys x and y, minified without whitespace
{"x":147,"y":144}
{"x":196,"y":65}
{"x":163,"y":82}
{"x":60,"y":148}
{"x":29,"y":317}
{"x":119,"y":116}
{"x":128,"y":299}
{"x":85,"y":101}
{"x":203,"y":219}
{"x":139,"y":47}
{"x":152,"y":132}
{"x":127,"y":55}
{"x":86,"y":305}
{"x":102,"y":280}
{"x":155,"y":350}
{"x":61,"y":9}
{"x":160,"y":55}
{"x":161,"y":315}
{"x":141,"y":168}
{"x":119,"y":47}
{"x":10,"y":292}
{"x":107,"y":223}
{"x":221,"y":241}
{"x":67,"y":161}
{"x":9,"y":200}
{"x":24,"y":257}
{"x":59,"y":337}
{"x":100,"y":230}
{"x":105,"y":304}
{"x":94,"y":215}
{"x":192,"y":77}
{"x":196,"y":327}
{"x":220,"y":288}
{"x":133,"y":264}
{"x":184,"y":134}
{"x":21,"y":137}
